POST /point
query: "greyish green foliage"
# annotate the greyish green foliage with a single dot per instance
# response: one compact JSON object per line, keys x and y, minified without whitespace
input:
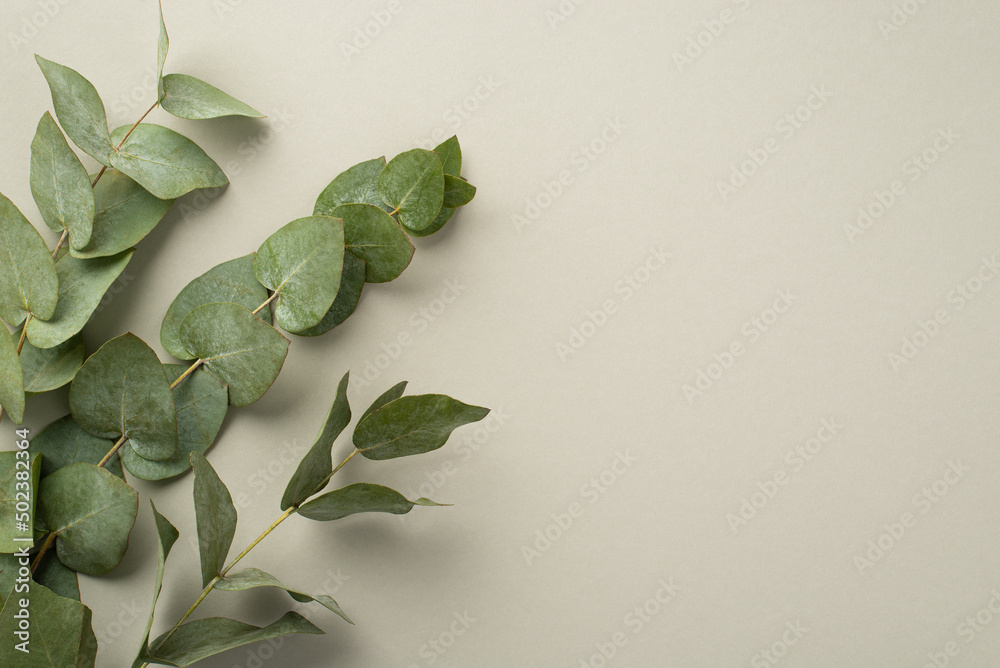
{"x":79,"y":109}
{"x":252,"y":578}
{"x":213,"y":507}
{"x":412,"y":425}
{"x":64,"y":442}
{"x":47,"y":369}
{"x":61,"y":632}
{"x":187,"y":97}
{"x":361,"y":497}
{"x":13,"y":467}
{"x":11,"y":379}
{"x":413,"y":184}
{"x":372,"y":235}
{"x":60,"y":184}
{"x":166,"y":536}
{"x":28,"y":282}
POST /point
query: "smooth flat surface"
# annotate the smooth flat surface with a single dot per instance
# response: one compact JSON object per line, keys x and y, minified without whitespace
{"x":662,"y":289}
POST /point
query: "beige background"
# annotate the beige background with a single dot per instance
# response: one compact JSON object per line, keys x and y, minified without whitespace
{"x":609,"y":134}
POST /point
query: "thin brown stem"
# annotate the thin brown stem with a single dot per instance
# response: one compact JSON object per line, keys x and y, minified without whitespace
{"x":41,"y":552}
{"x":127,"y":134}
{"x":24,"y":333}
{"x":98,"y":177}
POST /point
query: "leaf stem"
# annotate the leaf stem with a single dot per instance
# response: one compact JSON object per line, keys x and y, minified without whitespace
{"x":114,"y":449}
{"x":274,"y":295}
{"x":190,"y":370}
{"x":24,"y":333}
{"x":130,"y":130}
{"x":49,"y":539}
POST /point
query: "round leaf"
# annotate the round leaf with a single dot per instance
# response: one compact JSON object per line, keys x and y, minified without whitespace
{"x":28,"y":280}
{"x":60,"y":185}
{"x":357,"y":185}
{"x":413,"y":425}
{"x":413,"y":184}
{"x":188,"y":97}
{"x":373,"y":236}
{"x":11,"y":378}
{"x":46,"y":369}
{"x":61,"y":632}
{"x":352,"y":281}
{"x":64,"y":442}
{"x":439,"y":222}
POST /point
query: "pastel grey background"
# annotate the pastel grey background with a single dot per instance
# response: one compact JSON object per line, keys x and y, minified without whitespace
{"x":667,"y":173}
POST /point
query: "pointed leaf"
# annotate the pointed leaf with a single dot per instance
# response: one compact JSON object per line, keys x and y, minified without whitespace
{"x":202,"y":402}
{"x":11,"y":378}
{"x":216,"y":516}
{"x":203,"y":638}
{"x":439,"y":222}
{"x":231,"y":281}
{"x":251,"y":578}
{"x":28,"y":280}
{"x":372,"y":235}
{"x":61,"y":580}
{"x":79,"y":109}
{"x":162,"y":46}
{"x":82,"y":284}
{"x":393,"y":393}
{"x":413,"y":425}
{"x":60,"y":185}
{"x":457,"y":192}
{"x":165,"y":163}
{"x":413,"y":183}
{"x":238,"y":348}
{"x":302,"y":262}
{"x":122,"y":389}
{"x":361,"y":497}
{"x":11,"y":468}
{"x":64,"y":442}
{"x":357,"y":185}
{"x":451,"y":156}
{"x":91,"y":512}
{"x":352,"y":281}
{"x":61,"y":632}
{"x":166,"y":534}
{"x":46,"y":369}
{"x":315,"y":468}
{"x":188,"y":97}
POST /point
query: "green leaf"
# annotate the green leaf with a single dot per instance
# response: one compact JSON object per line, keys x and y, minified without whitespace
{"x":122,"y":389}
{"x":203,"y":638}
{"x":188,"y":97}
{"x":79,"y":109}
{"x":64,"y":442}
{"x":46,"y":369}
{"x":231,"y":281}
{"x":11,"y":378}
{"x":9,"y":566}
{"x":413,"y":425}
{"x":316,"y":467}
{"x":413,"y":183}
{"x":166,"y":535}
{"x":439,"y":222}
{"x":61,"y":632}
{"x":82,"y":284}
{"x":165,"y":163}
{"x":457,"y":192}
{"x":10,"y":486}
{"x":302,"y":262}
{"x":54,"y":575}
{"x":357,"y":185}
{"x":372,"y":235}
{"x":251,"y":578}
{"x":202,"y":402}
{"x":91,"y":512}
{"x":216,"y":516}
{"x":28,"y":280}
{"x":126,"y":213}
{"x":352,"y":281}
{"x":451,"y":155}
{"x":162,"y":46}
{"x":239,"y":348}
{"x":393,"y":393}
{"x":60,"y":185}
{"x":361,"y":497}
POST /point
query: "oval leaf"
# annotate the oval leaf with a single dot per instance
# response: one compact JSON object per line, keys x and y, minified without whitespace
{"x":11,"y":378}
{"x":251,"y":578}
{"x":61,"y":580}
{"x":122,"y":389}
{"x":216,"y":517}
{"x":450,"y":152}
{"x":361,"y":497}
{"x":352,"y":281}
{"x":61,"y":633}
{"x":60,"y":185}
{"x":393,"y":393}
{"x":188,"y":97}
{"x":64,"y":442}
{"x":28,"y":280}
{"x":91,"y":512}
{"x":413,"y":425}
{"x":357,"y":185}
{"x":413,"y":184}
{"x":239,"y":348}
{"x":372,"y":235}
{"x":457,"y":192}
{"x":439,"y":222}
{"x":46,"y":369}
{"x":302,"y":262}
{"x":165,"y":163}
{"x":79,"y":109}
{"x":231,"y":281}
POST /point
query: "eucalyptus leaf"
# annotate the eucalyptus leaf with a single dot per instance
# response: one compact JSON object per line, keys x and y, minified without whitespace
{"x":122,"y":389}
{"x":315,"y":469}
{"x":46,"y":369}
{"x":188,"y":97}
{"x":231,"y":281}
{"x":60,"y":185}
{"x":82,"y":284}
{"x":91,"y":512}
{"x":28,"y":282}
{"x":79,"y":109}
{"x":216,"y":517}
{"x":237,"y":347}
{"x":393,"y":393}
{"x":11,"y":378}
{"x":126,"y":213}
{"x":413,"y":425}
{"x":64,"y":442}
{"x":357,"y":185}
{"x":352,"y":281}
{"x":166,"y":536}
{"x":203,"y":638}
{"x":251,"y":578}
{"x":202,"y":402}
{"x":302,"y":262}
{"x":413,"y":184}
{"x":162,"y":46}
{"x":61,"y":632}
{"x":9,"y":566}
{"x":457,"y":192}
{"x":372,"y":235}
{"x":361,"y":497}
{"x":54,"y":575}
{"x":451,"y":155}
{"x":10,"y":488}
{"x":165,"y":163}
{"x":439,"y":222}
